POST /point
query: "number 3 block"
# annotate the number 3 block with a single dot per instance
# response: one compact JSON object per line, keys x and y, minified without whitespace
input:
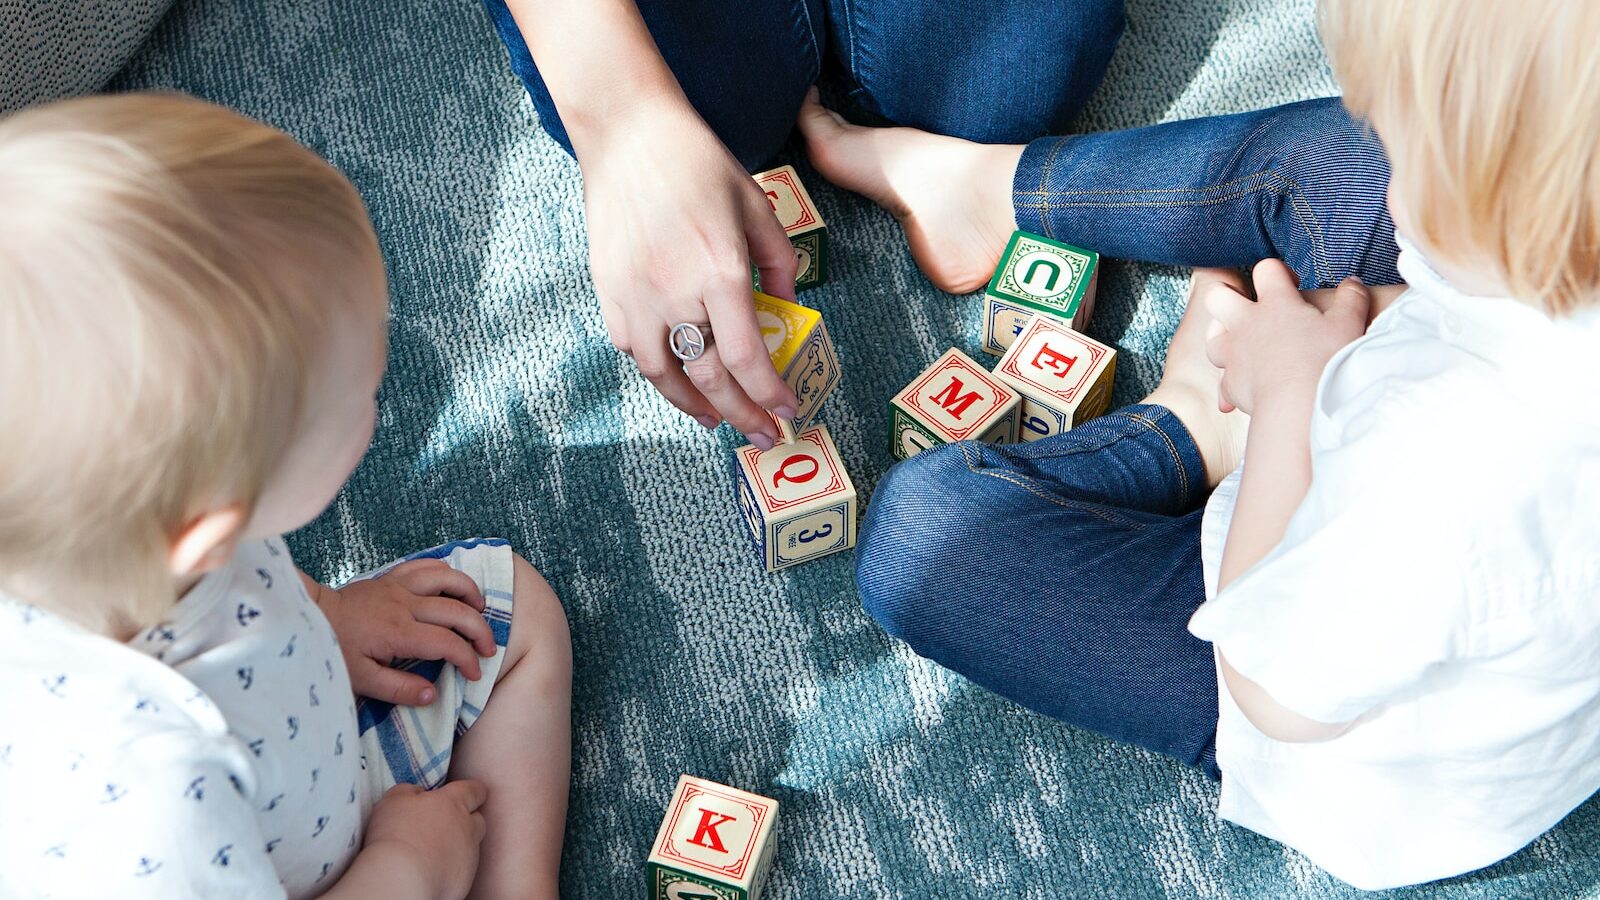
{"x":1064,"y":377}
{"x":803,"y":355}
{"x":801,"y":222}
{"x":954,"y":399}
{"x":715,"y":843}
{"x":1037,"y":276}
{"x":797,"y":499}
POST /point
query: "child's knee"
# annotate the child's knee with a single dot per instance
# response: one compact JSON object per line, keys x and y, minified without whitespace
{"x":539,"y":633}
{"x":921,"y":541}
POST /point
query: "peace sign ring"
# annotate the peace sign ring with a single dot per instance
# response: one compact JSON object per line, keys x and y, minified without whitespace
{"x":689,"y":341}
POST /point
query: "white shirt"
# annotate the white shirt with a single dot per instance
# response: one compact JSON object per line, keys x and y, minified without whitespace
{"x":1440,"y":584}
{"x":213,"y":756}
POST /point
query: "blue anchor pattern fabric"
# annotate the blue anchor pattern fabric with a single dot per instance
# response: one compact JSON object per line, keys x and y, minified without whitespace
{"x":216,"y":754}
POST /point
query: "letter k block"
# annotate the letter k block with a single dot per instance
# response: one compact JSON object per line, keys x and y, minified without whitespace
{"x":715,"y":843}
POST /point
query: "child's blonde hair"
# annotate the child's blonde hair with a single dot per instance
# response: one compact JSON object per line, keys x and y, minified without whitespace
{"x":168,"y":274}
{"x":1490,"y":112}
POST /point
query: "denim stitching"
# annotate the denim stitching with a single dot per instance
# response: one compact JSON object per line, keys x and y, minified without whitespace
{"x":1265,"y":124}
{"x":1183,"y":471}
{"x":811,"y":29}
{"x":1032,"y":487}
{"x":1044,"y":181}
{"x":1254,"y":176}
{"x":850,"y":32}
{"x":1307,"y":219}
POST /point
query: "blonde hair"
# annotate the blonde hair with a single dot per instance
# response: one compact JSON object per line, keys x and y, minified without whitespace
{"x":1490,"y":112}
{"x":168,"y":271}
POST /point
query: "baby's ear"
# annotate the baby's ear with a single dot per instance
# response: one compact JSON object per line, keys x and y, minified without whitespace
{"x":207,"y":542}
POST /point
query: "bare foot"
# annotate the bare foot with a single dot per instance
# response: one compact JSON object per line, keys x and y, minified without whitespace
{"x":953,"y":197}
{"x":1189,"y":385}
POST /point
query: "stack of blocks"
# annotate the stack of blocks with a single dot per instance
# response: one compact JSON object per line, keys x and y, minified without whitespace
{"x":1050,"y":376}
{"x":797,"y":499}
{"x":715,"y":843}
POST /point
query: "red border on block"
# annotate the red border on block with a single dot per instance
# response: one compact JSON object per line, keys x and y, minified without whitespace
{"x":737,"y":869}
{"x":913,"y":393}
{"x":808,"y":215}
{"x":835,"y":468}
{"x":1068,"y":395}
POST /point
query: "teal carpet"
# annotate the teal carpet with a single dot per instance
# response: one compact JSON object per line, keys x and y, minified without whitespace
{"x":506,"y":412}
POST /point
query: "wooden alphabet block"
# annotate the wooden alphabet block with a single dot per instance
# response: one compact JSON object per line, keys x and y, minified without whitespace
{"x":802,"y":353}
{"x":801,"y":222}
{"x":715,"y":843}
{"x":955,"y":399}
{"x":1037,"y":276}
{"x":796,"y":499}
{"x":1064,"y":377}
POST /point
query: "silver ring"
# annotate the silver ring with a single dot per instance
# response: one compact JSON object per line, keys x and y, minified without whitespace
{"x":689,"y":341}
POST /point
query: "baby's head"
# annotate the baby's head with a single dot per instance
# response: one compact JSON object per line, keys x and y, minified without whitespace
{"x":192,"y":331}
{"x":1490,"y":113}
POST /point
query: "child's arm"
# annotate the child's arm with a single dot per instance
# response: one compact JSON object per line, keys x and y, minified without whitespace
{"x":420,"y":844}
{"x":422,"y":609}
{"x":1273,"y":352}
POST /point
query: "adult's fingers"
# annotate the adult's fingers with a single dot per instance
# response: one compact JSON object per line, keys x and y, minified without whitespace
{"x":421,"y":641}
{"x":742,"y":348}
{"x":770,"y":250}
{"x":444,"y":581}
{"x":719,"y":385}
{"x":664,"y":370}
{"x":469,"y":792}
{"x":450,"y":613}
{"x":391,"y":685}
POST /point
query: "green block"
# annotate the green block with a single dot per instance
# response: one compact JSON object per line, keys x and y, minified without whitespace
{"x":1044,"y":275}
{"x":811,"y":252}
{"x":907,"y":436}
{"x":672,"y":884}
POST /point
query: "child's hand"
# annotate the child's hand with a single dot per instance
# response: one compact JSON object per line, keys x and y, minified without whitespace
{"x":1281,"y":342}
{"x":439,"y":832}
{"x":422,"y":609}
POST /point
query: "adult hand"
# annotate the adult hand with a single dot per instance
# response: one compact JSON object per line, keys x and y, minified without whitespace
{"x":1281,"y":342}
{"x":674,"y":226}
{"x":436,"y":833}
{"x":422,"y":609}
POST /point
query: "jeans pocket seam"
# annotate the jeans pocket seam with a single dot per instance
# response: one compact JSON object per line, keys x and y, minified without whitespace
{"x":1177,"y":459}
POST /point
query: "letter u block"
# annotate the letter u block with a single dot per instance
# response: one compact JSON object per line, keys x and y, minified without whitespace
{"x":715,"y":843}
{"x":796,"y":499}
{"x":801,"y":222}
{"x":803,"y":355}
{"x":1064,"y":377}
{"x":955,"y":399}
{"x":1037,"y":277}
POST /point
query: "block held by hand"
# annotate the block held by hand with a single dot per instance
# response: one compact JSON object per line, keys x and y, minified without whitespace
{"x":801,"y":221}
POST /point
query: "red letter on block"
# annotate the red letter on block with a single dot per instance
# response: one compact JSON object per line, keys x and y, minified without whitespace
{"x":709,"y":822}
{"x":783,"y":471}
{"x":1055,"y":359}
{"x":952,"y":400}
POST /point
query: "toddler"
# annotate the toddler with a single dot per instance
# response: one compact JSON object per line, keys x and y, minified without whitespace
{"x":1381,"y":631}
{"x":192,"y":331}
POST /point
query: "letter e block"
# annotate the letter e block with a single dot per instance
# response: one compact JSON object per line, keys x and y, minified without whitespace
{"x":801,"y":222}
{"x":955,"y":399}
{"x":796,"y":499}
{"x":802,"y":353}
{"x":1064,"y":377}
{"x":1037,"y":277}
{"x":715,"y":843}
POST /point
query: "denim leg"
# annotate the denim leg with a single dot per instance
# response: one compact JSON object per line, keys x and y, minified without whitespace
{"x":1060,"y":574}
{"x":1303,"y":183}
{"x":744,"y":66}
{"x":997,"y":71}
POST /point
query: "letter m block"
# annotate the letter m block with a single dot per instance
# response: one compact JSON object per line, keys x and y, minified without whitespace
{"x":955,"y":399}
{"x":715,"y":843}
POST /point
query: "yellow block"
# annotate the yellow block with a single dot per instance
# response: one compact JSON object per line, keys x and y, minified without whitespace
{"x":785,"y":327}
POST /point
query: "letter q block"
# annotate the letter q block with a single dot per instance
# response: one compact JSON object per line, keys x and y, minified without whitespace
{"x":801,"y":222}
{"x":796,"y":499}
{"x":955,"y":399}
{"x":715,"y":843}
{"x":1064,"y":377}
{"x":1037,"y":277}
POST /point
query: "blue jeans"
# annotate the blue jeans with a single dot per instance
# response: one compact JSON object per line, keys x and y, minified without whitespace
{"x":1060,"y":574}
{"x":1300,"y":182}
